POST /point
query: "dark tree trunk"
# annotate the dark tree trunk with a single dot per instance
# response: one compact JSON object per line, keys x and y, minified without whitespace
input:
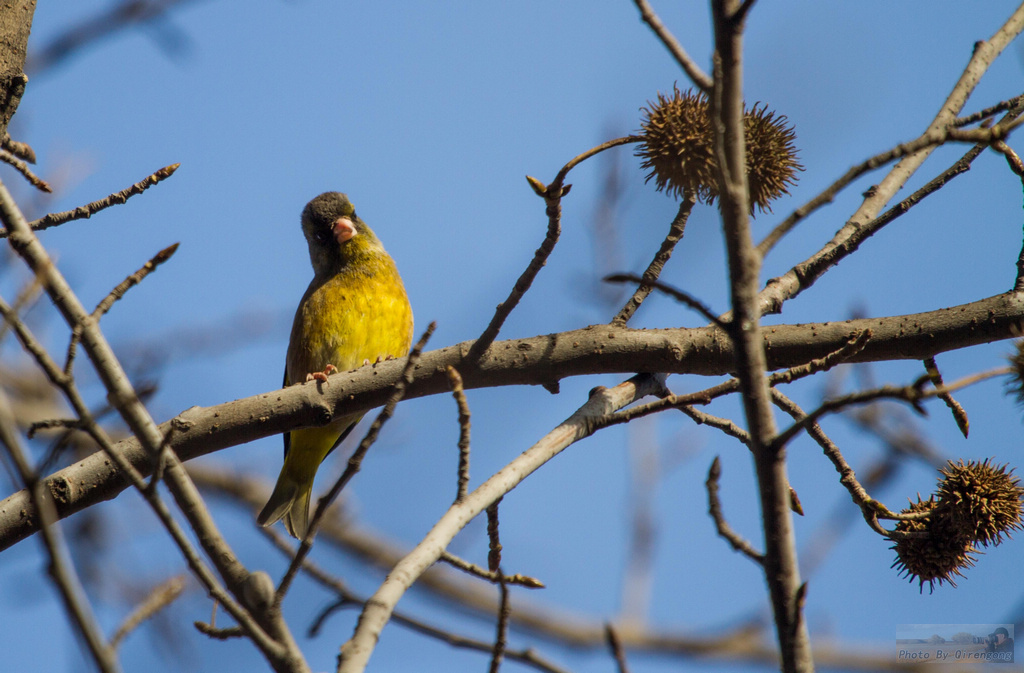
{"x":15,"y":26}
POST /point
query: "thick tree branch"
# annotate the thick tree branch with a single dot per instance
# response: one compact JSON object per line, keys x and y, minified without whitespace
{"x":15,"y":26}
{"x":599,"y":349}
{"x":781,"y":569}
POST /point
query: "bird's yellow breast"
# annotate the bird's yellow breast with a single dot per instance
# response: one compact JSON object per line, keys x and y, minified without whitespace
{"x":349,"y":318}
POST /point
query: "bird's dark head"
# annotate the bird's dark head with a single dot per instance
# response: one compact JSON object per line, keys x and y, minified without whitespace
{"x":335,"y":234}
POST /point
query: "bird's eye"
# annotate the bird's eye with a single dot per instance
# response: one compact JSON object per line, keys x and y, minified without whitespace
{"x":322,"y":236}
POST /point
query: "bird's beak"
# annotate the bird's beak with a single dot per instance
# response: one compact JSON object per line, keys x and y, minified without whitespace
{"x":343,"y":230}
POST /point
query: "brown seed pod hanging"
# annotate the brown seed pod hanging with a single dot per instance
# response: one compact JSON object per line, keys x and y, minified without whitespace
{"x":678,"y":145}
{"x":771,"y":156}
{"x":678,"y":149}
{"x":938,"y":554}
{"x":984,"y":500}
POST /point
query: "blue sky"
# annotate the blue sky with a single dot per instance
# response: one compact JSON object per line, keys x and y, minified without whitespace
{"x":429,"y":115}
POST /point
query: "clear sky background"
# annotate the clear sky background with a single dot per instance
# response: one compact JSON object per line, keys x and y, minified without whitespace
{"x":428,"y":115}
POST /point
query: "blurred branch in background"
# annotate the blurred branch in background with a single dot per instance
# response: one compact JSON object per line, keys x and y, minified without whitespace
{"x":118,"y":18}
{"x":553,"y":624}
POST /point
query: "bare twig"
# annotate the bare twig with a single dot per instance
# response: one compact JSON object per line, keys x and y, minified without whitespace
{"x":490,"y":575}
{"x":577,"y":160}
{"x":926,"y":142}
{"x":160,"y":597}
{"x":36,"y":426}
{"x":725,"y":531}
{"x":115,"y":294}
{"x":615,"y":645}
{"x":493,"y":542}
{"x":692,"y":70}
{"x":90,"y":209}
{"x":856,"y":344}
{"x":1012,"y":158}
{"x":959,"y":415}
{"x":23,"y":168}
{"x":501,"y":636}
{"x":870,"y":507}
{"x":553,"y":199}
{"x":552,"y":195}
{"x":850,"y":348}
{"x":988,"y":112}
{"x":455,"y":381}
{"x":912,"y":394}
{"x":723,"y":424}
{"x":678,"y":295}
{"x":837,"y":249}
{"x":133,"y":280}
{"x":18,"y":149}
{"x":504,"y":609}
{"x":228,"y":633}
{"x":984,"y":54}
{"x":653,"y":271}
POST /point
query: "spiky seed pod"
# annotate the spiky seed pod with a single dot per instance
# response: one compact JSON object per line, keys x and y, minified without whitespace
{"x":678,"y":149}
{"x":936,"y":556}
{"x":678,"y":145}
{"x":1016,"y":383}
{"x":771,"y":156}
{"x":983,"y":500}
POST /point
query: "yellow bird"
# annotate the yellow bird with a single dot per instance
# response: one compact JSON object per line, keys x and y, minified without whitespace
{"x":354,"y":312}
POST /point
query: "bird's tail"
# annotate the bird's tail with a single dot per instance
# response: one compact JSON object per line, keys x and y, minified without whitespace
{"x":289,"y":501}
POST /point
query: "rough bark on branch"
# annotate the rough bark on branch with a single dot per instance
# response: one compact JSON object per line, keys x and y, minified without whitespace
{"x":15,"y":26}
{"x":598,"y":349}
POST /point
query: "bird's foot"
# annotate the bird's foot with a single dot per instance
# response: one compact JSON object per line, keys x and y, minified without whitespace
{"x":321,"y":376}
